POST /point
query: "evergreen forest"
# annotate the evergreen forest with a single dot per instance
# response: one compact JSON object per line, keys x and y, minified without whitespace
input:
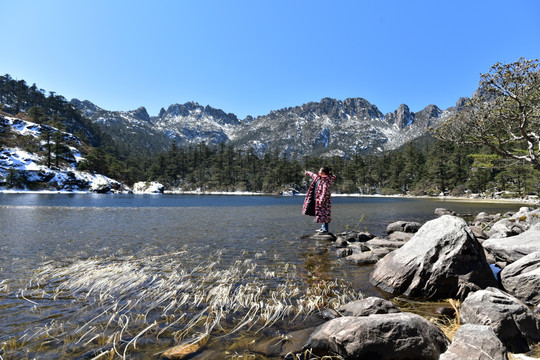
{"x":425,"y":166}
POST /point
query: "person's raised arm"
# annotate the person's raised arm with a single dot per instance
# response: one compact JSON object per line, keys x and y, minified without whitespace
{"x":309,"y":173}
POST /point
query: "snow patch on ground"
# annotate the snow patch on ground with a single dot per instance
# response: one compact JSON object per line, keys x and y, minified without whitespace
{"x":20,"y":169}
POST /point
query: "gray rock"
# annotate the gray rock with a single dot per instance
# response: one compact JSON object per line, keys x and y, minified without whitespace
{"x":518,"y":223}
{"x":389,"y":244}
{"x":442,"y":260}
{"x":475,"y":342}
{"x":283,"y":345}
{"x":364,"y":236}
{"x":483,"y":217}
{"x":380,"y":252}
{"x":400,"y":236}
{"x":368,"y":306}
{"x":367,"y":258}
{"x":479,"y":234}
{"x":403,"y":226}
{"x":501,"y":229}
{"x":326,"y":237}
{"x":359,"y":247}
{"x":352,"y":236}
{"x":443,"y":211}
{"x":522,"y":279}
{"x":341,"y":242}
{"x":329,"y":314}
{"x":513,"y":322}
{"x":514,"y":248}
{"x":347,"y":237}
{"x":396,"y":336}
{"x":344,"y":252}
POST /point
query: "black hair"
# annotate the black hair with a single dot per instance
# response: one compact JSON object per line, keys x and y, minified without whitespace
{"x":327,"y":170}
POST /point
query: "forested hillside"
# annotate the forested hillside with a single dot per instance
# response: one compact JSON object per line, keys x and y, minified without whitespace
{"x":425,"y":166}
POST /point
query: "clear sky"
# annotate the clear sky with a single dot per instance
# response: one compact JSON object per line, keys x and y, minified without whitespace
{"x":250,"y":57}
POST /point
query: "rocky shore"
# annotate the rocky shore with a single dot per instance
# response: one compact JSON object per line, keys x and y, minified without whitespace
{"x":488,"y":267}
{"x":490,"y":264}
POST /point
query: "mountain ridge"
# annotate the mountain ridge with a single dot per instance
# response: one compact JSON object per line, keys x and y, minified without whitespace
{"x":329,"y":127}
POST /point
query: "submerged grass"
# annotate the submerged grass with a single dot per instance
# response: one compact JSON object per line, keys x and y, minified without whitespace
{"x":105,"y":308}
{"x":448,"y":321}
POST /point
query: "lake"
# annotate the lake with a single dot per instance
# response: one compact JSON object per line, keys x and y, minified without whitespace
{"x":83,"y":275}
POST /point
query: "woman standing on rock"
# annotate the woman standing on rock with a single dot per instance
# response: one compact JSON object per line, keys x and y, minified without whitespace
{"x":318,"y":200}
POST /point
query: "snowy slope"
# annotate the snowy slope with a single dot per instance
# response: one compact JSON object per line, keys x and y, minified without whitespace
{"x":24,"y":170}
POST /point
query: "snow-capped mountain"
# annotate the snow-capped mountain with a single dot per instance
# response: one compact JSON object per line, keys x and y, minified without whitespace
{"x":326,"y":128}
{"x":192,"y":123}
{"x":34,"y":165}
{"x":134,"y":127}
{"x":334,"y":127}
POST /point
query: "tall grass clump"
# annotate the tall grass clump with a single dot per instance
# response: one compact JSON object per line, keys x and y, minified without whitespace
{"x":116,"y":306}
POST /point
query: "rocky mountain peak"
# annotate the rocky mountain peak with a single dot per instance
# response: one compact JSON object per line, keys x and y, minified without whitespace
{"x":329,"y":127}
{"x":162,"y":113}
{"x":85,"y":105}
{"x":140,"y":114}
{"x":426,"y":117}
{"x":192,"y":110}
{"x":402,"y":117}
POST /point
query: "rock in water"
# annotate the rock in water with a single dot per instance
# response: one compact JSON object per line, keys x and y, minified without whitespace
{"x":442,"y":260}
{"x":368,"y":306}
{"x":396,"y":336}
{"x":181,"y":351}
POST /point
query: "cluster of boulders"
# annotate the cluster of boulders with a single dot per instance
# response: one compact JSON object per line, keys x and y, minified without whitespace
{"x":491,"y":264}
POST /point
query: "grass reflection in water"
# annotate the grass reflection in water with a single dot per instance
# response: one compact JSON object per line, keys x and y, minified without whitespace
{"x":132,"y":307}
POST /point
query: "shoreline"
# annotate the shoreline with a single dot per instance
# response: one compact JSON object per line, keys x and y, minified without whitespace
{"x":533,"y":201}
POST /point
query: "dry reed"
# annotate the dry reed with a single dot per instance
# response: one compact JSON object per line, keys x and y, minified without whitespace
{"x":107,"y":305}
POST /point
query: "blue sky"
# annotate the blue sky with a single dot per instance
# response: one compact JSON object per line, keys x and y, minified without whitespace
{"x":251,"y":57}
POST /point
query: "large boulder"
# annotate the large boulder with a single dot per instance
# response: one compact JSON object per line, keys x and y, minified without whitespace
{"x":522,"y":279}
{"x":475,"y":342}
{"x":442,"y":260}
{"x":513,"y":322}
{"x":514,"y":248}
{"x":396,"y":336}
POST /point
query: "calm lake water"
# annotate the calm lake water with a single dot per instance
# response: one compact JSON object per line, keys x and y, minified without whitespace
{"x":67,"y":260}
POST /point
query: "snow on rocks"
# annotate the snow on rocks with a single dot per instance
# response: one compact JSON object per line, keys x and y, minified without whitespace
{"x":22,"y":170}
{"x":151,"y":187}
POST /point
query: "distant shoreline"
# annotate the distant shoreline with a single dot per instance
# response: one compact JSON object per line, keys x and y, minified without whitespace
{"x":248,"y":193}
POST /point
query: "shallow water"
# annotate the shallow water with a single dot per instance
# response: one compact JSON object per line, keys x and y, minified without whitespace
{"x":75,"y":266}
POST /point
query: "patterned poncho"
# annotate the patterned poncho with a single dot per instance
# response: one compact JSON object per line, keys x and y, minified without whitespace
{"x":319,"y":190}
